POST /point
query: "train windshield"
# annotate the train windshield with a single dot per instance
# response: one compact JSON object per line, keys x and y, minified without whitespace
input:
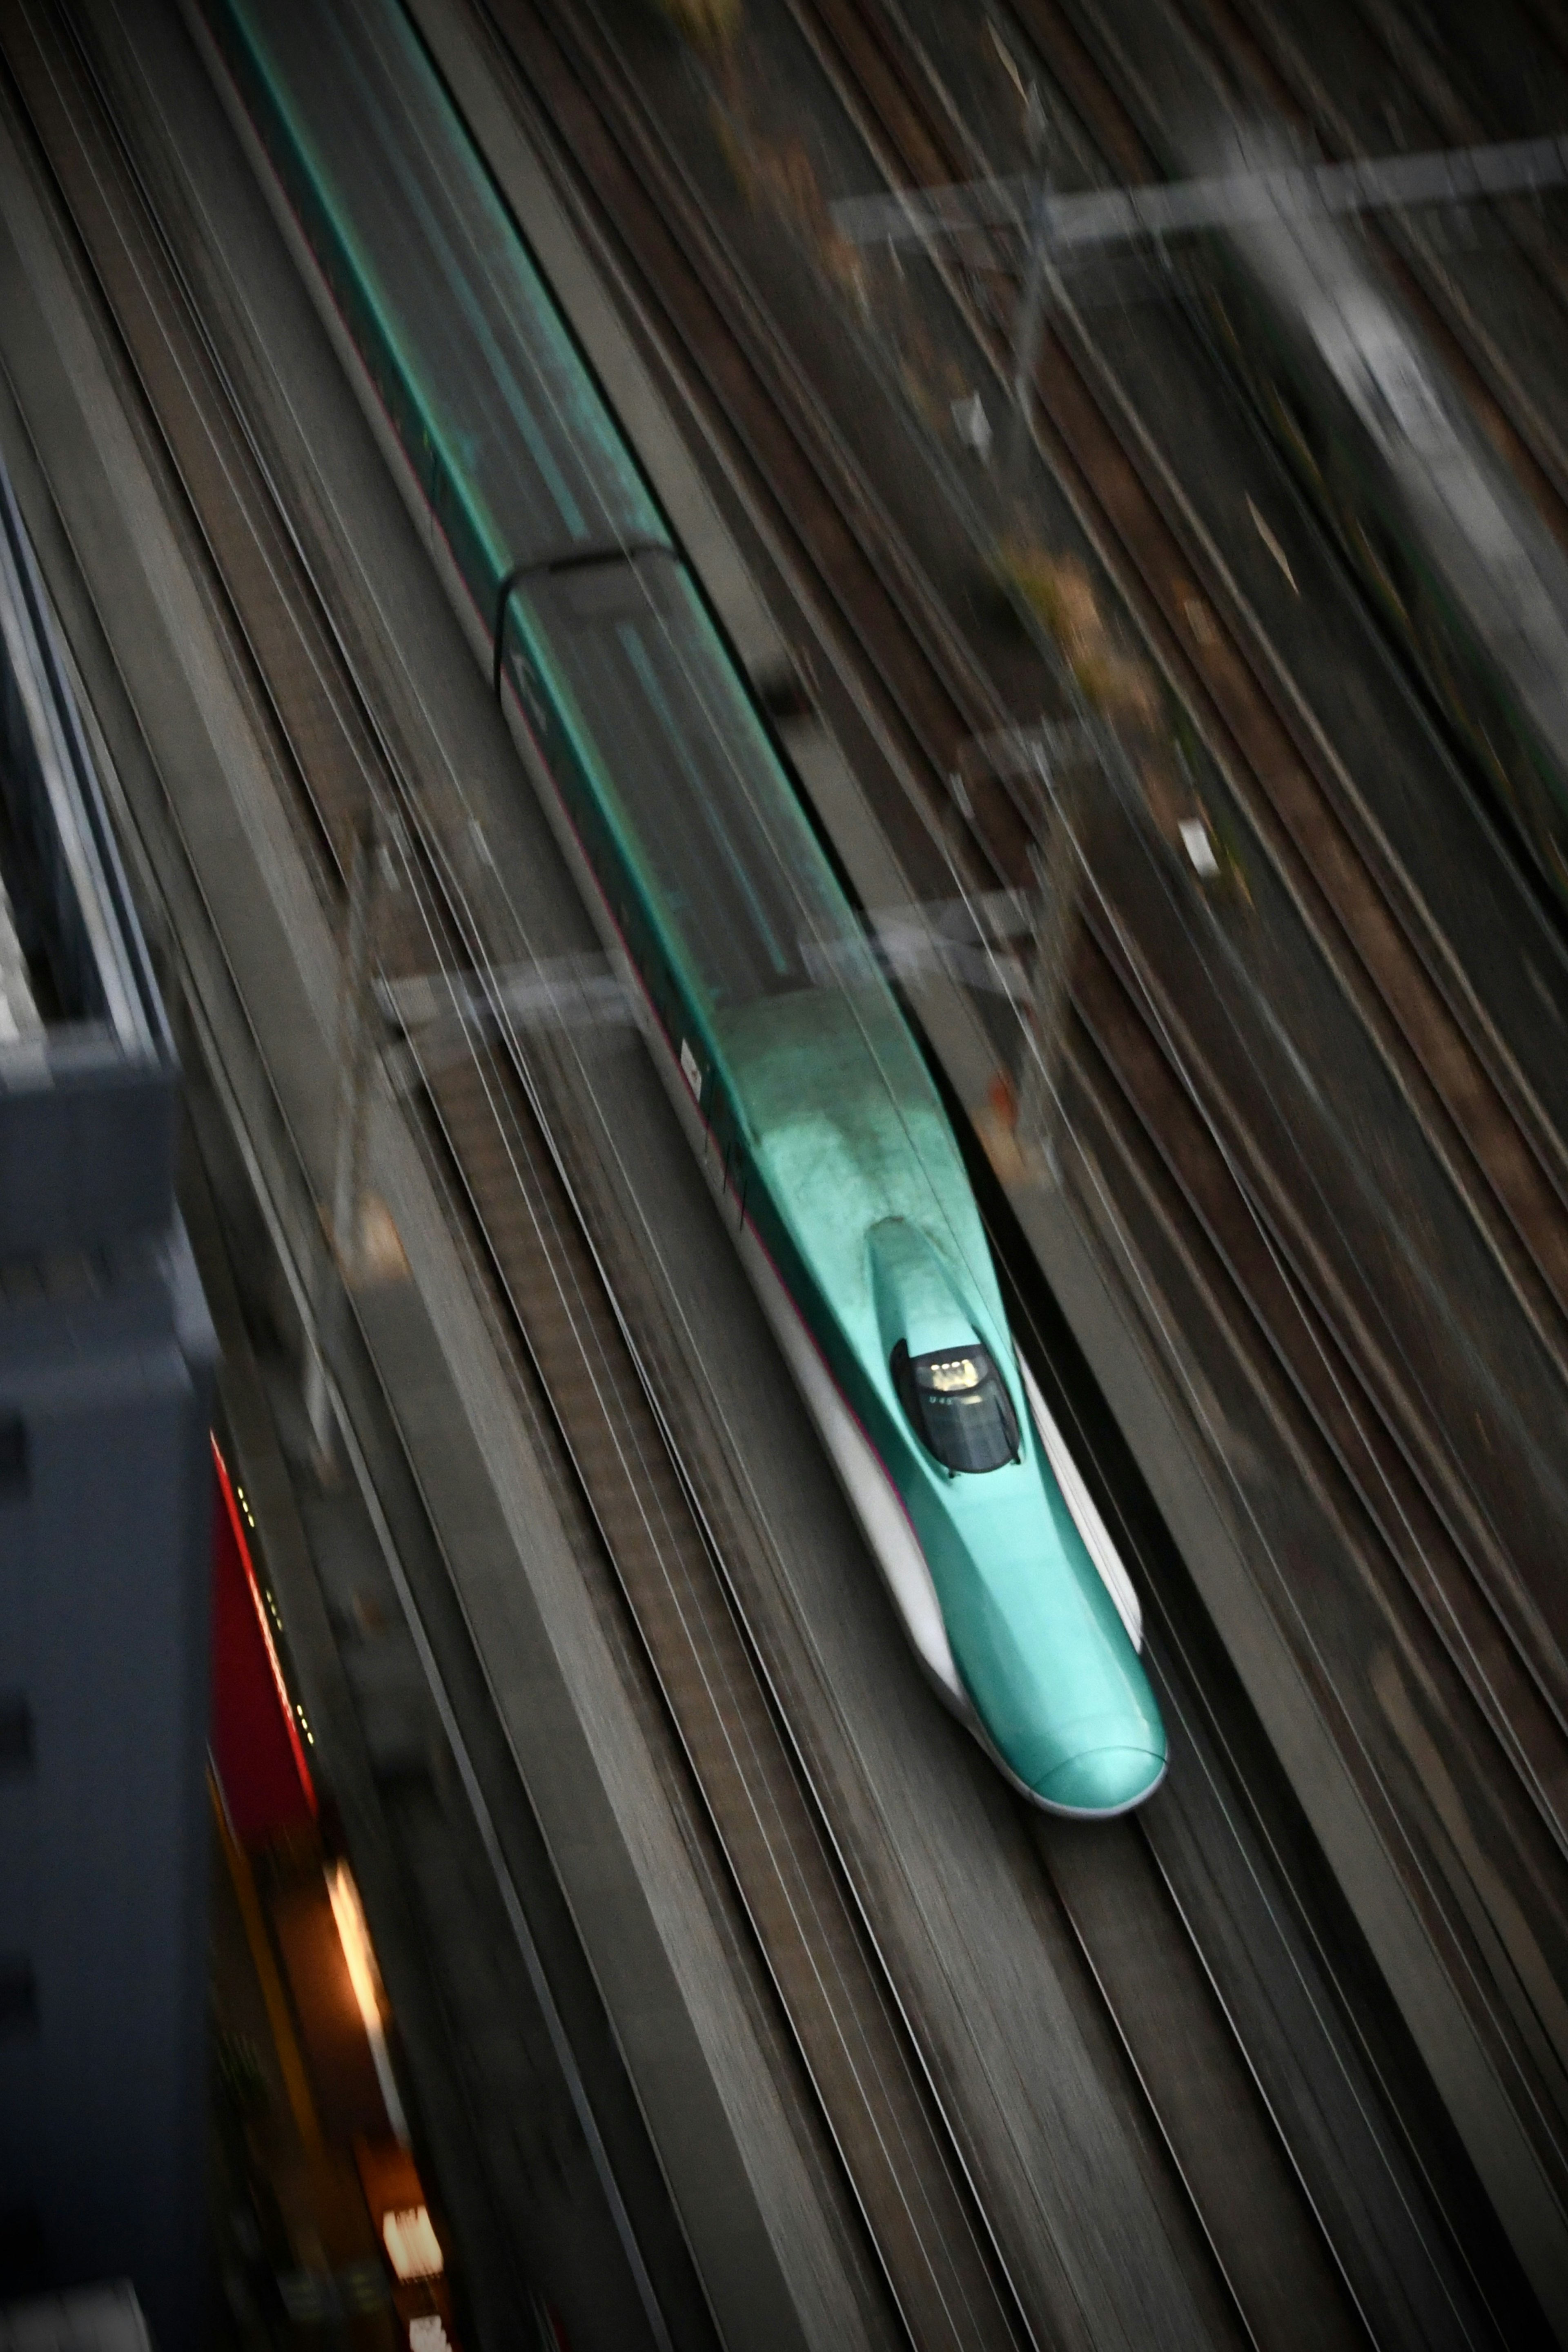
{"x":960,"y":1409}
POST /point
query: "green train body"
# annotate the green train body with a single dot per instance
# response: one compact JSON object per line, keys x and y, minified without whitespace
{"x":794,"y":1072}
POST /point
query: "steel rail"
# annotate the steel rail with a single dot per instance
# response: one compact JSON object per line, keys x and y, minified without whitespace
{"x":1046,"y":29}
{"x":1124,"y":1016}
{"x":1117,"y":1007}
{"x":1410,"y":2142}
{"x":1228,"y":1235}
{"x":979,"y":2312}
{"x":814,"y":1934}
{"x":1191,"y":1161}
{"x":1101,"y":1113}
{"x":1099,"y":1095}
{"x":1101,"y":1026}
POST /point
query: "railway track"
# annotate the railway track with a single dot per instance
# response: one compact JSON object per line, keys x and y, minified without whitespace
{"x":1268,"y":59}
{"x":1118,"y":106}
{"x":904,"y":2172}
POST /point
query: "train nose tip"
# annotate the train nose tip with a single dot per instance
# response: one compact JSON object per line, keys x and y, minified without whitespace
{"x":1103,"y":1781}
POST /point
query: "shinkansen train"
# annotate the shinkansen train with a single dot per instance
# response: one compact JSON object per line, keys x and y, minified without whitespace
{"x":814,"y":1117}
{"x":1457,"y":555}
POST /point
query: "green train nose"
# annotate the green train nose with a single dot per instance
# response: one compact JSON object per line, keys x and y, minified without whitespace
{"x":1104,"y":1780}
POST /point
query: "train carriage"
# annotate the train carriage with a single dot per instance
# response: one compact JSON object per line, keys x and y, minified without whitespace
{"x":818,"y":1126}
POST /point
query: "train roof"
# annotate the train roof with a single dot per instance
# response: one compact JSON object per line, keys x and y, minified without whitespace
{"x":624,"y":653}
{"x":448,"y":271}
{"x":681,"y":759}
{"x":831,"y":1083}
